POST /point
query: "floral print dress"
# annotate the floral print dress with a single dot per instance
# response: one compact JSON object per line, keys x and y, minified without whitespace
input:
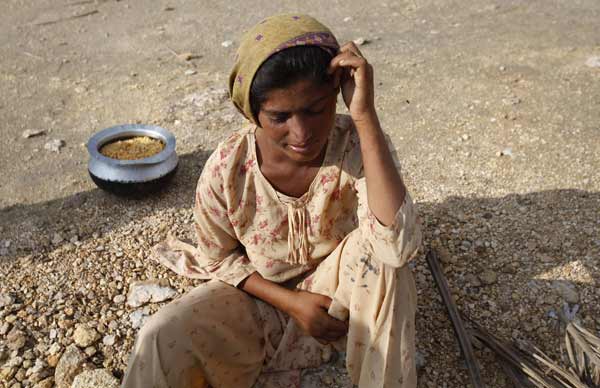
{"x":327,"y":241}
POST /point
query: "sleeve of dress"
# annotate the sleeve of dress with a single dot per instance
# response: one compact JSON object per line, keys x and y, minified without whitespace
{"x":218,"y":247}
{"x":398,"y":243}
{"x":218,"y":253}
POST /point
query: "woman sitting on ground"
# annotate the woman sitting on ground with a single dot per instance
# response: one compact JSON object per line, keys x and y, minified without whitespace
{"x":304,"y":227}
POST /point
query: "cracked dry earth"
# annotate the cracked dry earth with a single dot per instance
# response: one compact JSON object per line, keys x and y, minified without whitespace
{"x":493,"y":106}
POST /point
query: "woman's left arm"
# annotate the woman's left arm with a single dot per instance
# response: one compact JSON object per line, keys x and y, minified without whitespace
{"x":385,"y":189}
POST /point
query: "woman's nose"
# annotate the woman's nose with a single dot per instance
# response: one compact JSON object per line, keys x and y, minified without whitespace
{"x":300,"y":131}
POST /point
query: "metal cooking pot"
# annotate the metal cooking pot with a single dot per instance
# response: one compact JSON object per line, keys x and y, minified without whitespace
{"x":132,"y":177}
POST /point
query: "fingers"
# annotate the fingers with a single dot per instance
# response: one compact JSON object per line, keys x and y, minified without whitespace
{"x":323,"y":301}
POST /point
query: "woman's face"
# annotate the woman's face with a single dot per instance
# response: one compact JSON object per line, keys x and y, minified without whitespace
{"x":297,"y":120}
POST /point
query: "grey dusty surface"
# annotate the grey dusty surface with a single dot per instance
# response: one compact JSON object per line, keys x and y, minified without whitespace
{"x":494,"y":108}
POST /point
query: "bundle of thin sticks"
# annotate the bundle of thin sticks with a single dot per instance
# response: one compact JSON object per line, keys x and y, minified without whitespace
{"x":525,"y":364}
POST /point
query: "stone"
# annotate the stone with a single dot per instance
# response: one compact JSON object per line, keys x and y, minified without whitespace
{"x":108,"y":340}
{"x":90,"y":351}
{"x":4,"y":328}
{"x":566,"y":290}
{"x":54,"y":145}
{"x":7,"y":372}
{"x":593,"y":61}
{"x":52,"y":360}
{"x":69,"y":366}
{"x":6,"y":300}
{"x":57,"y":238}
{"x":32,"y":133}
{"x":15,"y":339}
{"x":46,"y":383}
{"x":97,"y":378}
{"x":360,"y":41}
{"x":190,"y":72}
{"x":139,"y":317}
{"x":85,"y":336}
{"x":227,"y":43}
{"x":488,"y":277}
{"x":119,"y":299}
{"x":506,"y":152}
{"x":152,"y":291}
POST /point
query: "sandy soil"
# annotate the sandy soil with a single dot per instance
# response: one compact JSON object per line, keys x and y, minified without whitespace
{"x":494,"y":107}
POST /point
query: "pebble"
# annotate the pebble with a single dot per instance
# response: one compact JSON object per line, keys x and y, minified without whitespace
{"x":69,"y":366}
{"x":108,"y":340}
{"x":97,"y":378}
{"x":139,"y":317}
{"x":32,"y":133}
{"x":360,"y":41}
{"x":566,"y":290}
{"x":46,"y":383}
{"x":227,"y":43}
{"x":15,"y":339}
{"x":119,"y":299}
{"x":152,"y":291}
{"x":54,"y":145}
{"x":6,"y":300}
{"x":488,"y":277}
{"x":505,"y":152}
{"x":190,"y":72}
{"x":347,"y":19}
{"x":593,"y":61}
{"x":85,"y":336}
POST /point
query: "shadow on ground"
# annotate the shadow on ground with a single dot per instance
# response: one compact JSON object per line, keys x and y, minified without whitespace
{"x":534,"y":244}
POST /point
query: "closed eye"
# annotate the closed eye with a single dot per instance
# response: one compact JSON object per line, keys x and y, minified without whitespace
{"x":279,"y":117}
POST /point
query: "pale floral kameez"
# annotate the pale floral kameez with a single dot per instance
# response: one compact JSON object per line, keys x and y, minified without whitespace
{"x":328,"y":242}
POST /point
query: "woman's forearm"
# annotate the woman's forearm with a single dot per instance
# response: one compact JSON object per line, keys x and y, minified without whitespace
{"x":277,"y":296}
{"x":385,"y":189}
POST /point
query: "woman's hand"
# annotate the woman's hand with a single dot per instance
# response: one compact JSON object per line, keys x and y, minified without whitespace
{"x":310,"y":311}
{"x":354,"y":75}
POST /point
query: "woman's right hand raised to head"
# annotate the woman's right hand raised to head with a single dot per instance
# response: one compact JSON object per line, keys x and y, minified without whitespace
{"x":309,"y":310}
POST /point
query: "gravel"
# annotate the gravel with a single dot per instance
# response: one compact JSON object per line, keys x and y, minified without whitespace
{"x":499,"y":147}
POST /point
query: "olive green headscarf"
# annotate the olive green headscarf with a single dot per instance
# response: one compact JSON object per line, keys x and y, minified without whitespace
{"x":268,"y":37}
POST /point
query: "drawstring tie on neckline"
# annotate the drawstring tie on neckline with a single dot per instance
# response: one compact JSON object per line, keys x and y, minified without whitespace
{"x":298,"y":244}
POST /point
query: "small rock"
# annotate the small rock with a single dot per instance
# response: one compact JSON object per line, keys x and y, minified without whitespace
{"x":360,"y":41}
{"x":32,"y":133}
{"x":69,"y":366}
{"x":6,"y":300}
{"x":46,"y":383}
{"x":98,"y":378}
{"x":139,"y":317}
{"x":420,"y":360}
{"x":506,"y":152}
{"x":90,"y":351}
{"x":7,"y":372}
{"x":472,"y":280}
{"x":119,"y":299}
{"x":108,"y":340}
{"x":593,"y":61}
{"x":85,"y":336}
{"x":169,"y":8}
{"x":52,"y":360}
{"x":148,"y":291}
{"x":54,"y":145}
{"x":186,"y":56}
{"x":4,"y":328}
{"x":465,"y":137}
{"x":488,"y":277}
{"x":57,"y":239}
{"x":190,"y":72}
{"x":227,"y":43}
{"x":16,"y":339}
{"x":566,"y":290}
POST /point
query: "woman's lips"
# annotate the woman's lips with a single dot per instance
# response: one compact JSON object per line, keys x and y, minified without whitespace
{"x":301,"y":148}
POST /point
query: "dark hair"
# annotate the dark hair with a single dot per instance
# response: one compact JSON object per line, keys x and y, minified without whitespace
{"x":286,"y":67}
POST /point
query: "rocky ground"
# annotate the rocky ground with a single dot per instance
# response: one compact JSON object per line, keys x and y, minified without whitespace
{"x":494,"y":107}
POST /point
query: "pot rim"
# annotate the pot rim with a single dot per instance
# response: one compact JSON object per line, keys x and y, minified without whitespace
{"x":129,"y":130}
